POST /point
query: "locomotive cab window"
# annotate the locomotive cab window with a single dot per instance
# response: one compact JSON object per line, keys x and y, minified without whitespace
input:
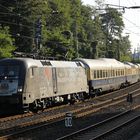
{"x":9,"y":71}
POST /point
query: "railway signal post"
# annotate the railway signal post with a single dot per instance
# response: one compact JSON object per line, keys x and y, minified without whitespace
{"x":68,"y":119}
{"x":129,"y":98}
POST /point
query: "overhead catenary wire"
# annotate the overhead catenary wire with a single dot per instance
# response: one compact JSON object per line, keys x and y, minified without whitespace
{"x":138,"y":34}
{"x":27,"y":26}
{"x":130,"y":2}
{"x":133,"y":2}
{"x":131,"y":22}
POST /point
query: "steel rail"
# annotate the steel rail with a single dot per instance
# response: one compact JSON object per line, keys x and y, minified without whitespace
{"x":86,"y":131}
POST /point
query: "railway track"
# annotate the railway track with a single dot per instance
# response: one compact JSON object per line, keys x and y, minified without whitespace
{"x":42,"y":120}
{"x":104,"y":128}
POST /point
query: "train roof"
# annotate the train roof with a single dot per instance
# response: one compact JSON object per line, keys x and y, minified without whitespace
{"x":29,"y":62}
{"x":138,"y":64}
{"x":131,"y":64}
{"x":102,"y":63}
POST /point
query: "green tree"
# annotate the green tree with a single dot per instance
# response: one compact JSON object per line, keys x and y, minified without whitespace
{"x":6,"y":43}
{"x":112,"y":25}
{"x":58,"y":37}
{"x":69,"y":29}
{"x":21,"y":16}
{"x":125,"y":52}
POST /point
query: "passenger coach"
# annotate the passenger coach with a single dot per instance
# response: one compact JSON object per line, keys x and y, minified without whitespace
{"x":132,"y":72}
{"x":104,"y":74}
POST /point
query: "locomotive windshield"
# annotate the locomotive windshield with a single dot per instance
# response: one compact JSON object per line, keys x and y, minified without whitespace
{"x":9,"y":79}
{"x":9,"y":72}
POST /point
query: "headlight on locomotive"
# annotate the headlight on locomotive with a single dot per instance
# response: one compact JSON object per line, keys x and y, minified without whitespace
{"x":20,"y":89}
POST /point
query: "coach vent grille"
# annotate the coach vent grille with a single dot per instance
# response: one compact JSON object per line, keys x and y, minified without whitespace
{"x":44,"y":63}
{"x":78,"y":64}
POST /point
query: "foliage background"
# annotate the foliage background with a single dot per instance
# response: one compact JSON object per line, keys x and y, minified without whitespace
{"x":69,"y":29}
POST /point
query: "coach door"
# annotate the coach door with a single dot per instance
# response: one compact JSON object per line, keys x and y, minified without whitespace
{"x":54,"y":76}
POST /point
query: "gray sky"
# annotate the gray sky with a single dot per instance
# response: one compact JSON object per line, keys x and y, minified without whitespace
{"x":131,"y":18}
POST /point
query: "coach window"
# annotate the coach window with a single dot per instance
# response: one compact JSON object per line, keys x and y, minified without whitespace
{"x":127,"y":73}
{"x":119,"y":72}
{"x":106,"y":73}
{"x":122,"y":72}
{"x":112,"y":73}
{"x":95,"y":74}
{"x":116,"y":72}
{"x":109,"y":73}
{"x":131,"y":71}
{"x":98,"y":73}
{"x":101,"y":74}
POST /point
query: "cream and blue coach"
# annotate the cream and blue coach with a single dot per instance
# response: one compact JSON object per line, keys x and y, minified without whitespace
{"x":104,"y":74}
{"x":132,"y":72}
